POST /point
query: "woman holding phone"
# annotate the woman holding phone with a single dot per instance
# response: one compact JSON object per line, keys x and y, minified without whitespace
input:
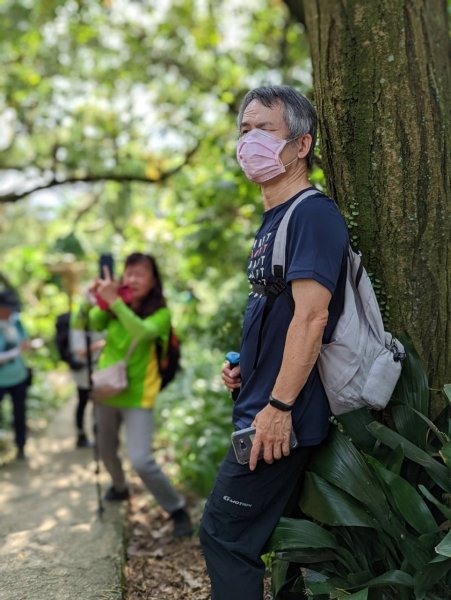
{"x":134,"y":316}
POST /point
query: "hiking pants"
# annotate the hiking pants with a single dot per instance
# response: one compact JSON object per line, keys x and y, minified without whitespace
{"x":18,"y":395}
{"x":138,"y":428}
{"x":240,"y":515}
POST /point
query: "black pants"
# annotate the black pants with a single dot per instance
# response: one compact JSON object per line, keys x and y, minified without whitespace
{"x":240,"y":516}
{"x":18,"y":395}
{"x":83,"y":398}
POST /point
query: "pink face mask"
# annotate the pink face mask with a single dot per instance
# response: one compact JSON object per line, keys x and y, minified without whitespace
{"x":258,"y":154}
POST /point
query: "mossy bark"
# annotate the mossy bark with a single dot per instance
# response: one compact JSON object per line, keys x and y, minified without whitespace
{"x":382,"y":82}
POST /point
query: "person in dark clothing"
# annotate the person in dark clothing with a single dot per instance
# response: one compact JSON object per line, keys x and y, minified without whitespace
{"x":79,"y":370}
{"x":13,"y":372}
{"x":277,"y":378}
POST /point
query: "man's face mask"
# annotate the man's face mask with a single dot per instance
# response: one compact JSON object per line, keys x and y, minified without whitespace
{"x":258,"y":154}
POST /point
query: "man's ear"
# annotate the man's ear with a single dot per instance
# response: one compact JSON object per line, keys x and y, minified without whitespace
{"x":304,"y":144}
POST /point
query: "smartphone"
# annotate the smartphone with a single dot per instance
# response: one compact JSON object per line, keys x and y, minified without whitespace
{"x":242,"y":444}
{"x":106,"y":260}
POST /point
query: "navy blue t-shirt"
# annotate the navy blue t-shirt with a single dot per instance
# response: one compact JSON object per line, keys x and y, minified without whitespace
{"x":317,"y":246}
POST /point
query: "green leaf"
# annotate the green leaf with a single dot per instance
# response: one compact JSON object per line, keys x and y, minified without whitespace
{"x":354,"y":423}
{"x":299,"y":533}
{"x":412,"y":388}
{"x":278,"y":575}
{"x":439,"y":473}
{"x":406,"y":500}
{"x":360,"y":595}
{"x":447,"y":391}
{"x":328,"y":504}
{"x":445,"y":510}
{"x":307,"y":557}
{"x":340,"y":463}
{"x":440,"y":435}
{"x":430,"y":575}
{"x":445,"y":453}
{"x":394,"y":577}
{"x":444,"y":548}
{"x":394,"y":460}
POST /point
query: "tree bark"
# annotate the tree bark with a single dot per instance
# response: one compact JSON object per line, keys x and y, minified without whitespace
{"x":382,"y":81}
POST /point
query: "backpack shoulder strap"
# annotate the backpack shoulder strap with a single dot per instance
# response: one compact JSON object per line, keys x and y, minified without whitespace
{"x":280,"y":242}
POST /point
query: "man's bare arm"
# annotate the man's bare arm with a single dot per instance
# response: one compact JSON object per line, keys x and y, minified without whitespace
{"x":302,"y":346}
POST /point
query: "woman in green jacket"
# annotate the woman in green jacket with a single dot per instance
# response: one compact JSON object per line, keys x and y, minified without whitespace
{"x":141,"y":322}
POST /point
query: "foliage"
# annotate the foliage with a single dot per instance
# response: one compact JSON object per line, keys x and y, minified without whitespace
{"x":378,"y":495}
{"x":194,"y":419}
{"x":122,"y":115}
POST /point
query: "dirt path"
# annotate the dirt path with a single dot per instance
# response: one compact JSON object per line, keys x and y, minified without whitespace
{"x":52,"y":544}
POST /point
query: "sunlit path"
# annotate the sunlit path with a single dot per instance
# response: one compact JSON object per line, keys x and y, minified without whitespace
{"x":52,"y":544}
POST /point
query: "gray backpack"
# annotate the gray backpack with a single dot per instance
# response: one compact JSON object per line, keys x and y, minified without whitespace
{"x":362,"y":363}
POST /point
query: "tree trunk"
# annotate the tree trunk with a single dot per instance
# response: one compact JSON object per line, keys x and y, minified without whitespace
{"x":382,"y":83}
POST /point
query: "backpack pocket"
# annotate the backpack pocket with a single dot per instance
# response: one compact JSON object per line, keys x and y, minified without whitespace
{"x":381,"y":380}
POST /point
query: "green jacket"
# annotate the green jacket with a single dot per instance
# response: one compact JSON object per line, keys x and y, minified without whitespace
{"x":142,"y":368}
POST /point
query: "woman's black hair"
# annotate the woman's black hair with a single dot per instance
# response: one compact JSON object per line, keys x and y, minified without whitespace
{"x":155,"y":298}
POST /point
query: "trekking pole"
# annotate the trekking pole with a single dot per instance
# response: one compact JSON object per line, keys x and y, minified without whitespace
{"x":100,"y":507}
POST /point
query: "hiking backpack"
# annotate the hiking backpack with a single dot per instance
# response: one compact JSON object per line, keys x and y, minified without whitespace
{"x":168,"y":359}
{"x":362,"y":363}
{"x":62,"y":326}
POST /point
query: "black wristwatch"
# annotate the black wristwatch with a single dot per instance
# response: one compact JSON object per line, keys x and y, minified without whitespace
{"x":280,"y":405}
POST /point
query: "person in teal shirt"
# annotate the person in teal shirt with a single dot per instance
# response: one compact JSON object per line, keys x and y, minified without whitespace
{"x":133,"y":328}
{"x":13,"y":372}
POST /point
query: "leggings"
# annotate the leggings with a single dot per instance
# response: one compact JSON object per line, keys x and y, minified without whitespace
{"x":18,"y":395}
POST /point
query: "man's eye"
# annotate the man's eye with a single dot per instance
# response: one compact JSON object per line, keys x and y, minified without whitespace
{"x":242,"y":133}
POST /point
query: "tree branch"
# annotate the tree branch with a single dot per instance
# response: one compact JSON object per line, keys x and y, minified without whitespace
{"x":94,"y":177}
{"x":296,"y":8}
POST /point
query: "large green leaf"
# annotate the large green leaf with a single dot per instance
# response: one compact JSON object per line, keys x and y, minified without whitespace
{"x":445,"y":453}
{"x":412,"y":388}
{"x":354,"y":423}
{"x":445,"y":510}
{"x":394,"y":577}
{"x":444,"y":548}
{"x":406,"y":500}
{"x":408,"y":424}
{"x":442,"y":437}
{"x":439,"y":473}
{"x":340,"y":463}
{"x":360,"y":595}
{"x":394,"y":460}
{"x":307,"y":557}
{"x":430,"y":575}
{"x":447,"y":391}
{"x":299,"y":533}
{"x":278,"y":575}
{"x":328,"y":504}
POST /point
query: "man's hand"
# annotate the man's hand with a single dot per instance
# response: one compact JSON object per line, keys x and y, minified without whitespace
{"x":273,"y":435}
{"x":231,"y":377}
{"x":107,"y":287}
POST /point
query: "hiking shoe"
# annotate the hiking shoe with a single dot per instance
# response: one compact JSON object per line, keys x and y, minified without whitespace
{"x":82,"y":441}
{"x":113,"y":495}
{"x":20,"y":454}
{"x":182,"y":523}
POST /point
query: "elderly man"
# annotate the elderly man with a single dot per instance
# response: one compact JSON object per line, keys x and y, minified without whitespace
{"x":277,"y":378}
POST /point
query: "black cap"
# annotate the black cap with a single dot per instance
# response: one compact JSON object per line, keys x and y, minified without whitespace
{"x":9,"y":299}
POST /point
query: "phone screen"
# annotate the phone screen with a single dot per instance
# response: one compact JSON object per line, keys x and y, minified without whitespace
{"x":106,"y":260}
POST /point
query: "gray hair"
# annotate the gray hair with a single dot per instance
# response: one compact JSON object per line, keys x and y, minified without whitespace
{"x":298,"y":114}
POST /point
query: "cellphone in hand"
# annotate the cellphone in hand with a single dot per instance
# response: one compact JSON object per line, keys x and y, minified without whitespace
{"x":242,"y":444}
{"x":106,"y":260}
